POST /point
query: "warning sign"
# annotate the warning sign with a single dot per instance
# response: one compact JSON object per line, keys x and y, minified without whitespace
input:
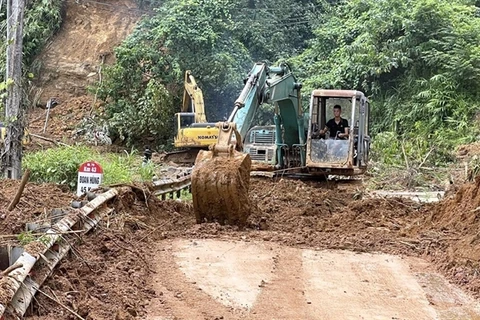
{"x":90,"y":176}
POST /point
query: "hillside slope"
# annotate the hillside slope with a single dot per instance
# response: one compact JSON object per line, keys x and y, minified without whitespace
{"x":88,"y":35}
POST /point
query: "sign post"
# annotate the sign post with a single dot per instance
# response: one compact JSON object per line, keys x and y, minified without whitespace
{"x":90,"y":175}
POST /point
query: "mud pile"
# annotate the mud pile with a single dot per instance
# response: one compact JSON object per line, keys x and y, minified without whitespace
{"x":62,"y":119}
{"x":108,"y":274}
{"x":113,"y":265}
{"x":29,"y":208}
{"x":452,"y":226}
{"x":323,"y":215}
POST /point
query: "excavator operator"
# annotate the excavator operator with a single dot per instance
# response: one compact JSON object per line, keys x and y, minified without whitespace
{"x":337,"y":126}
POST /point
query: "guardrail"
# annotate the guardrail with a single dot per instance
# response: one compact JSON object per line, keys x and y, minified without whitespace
{"x":173,"y":183}
{"x":19,"y":284}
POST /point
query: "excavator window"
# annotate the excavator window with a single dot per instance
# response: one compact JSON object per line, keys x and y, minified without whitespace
{"x":186,"y":120}
{"x":346,"y":105}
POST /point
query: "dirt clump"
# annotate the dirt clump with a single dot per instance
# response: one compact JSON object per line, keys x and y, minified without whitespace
{"x":451,"y":230}
{"x":468,"y":150}
{"x":74,"y":121}
{"x":29,"y":208}
{"x":220,"y":187}
{"x":63,"y":119}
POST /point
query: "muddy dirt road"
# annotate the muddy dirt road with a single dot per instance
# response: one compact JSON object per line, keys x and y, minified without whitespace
{"x":309,"y":251}
{"x":211,"y":279}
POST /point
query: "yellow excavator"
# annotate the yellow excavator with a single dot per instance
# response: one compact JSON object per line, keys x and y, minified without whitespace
{"x":221,"y":175}
{"x":193,"y":132}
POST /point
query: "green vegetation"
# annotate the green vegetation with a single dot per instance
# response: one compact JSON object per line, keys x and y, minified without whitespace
{"x":418,"y":61}
{"x":42,"y":19}
{"x":217,"y":40}
{"x":25,"y":237}
{"x":60,"y":165}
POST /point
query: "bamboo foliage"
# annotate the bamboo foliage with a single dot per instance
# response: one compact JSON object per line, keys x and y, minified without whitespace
{"x":418,"y":60}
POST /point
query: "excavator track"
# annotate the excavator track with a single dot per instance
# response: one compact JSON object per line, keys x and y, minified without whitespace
{"x":182,"y":157}
{"x":220,"y":185}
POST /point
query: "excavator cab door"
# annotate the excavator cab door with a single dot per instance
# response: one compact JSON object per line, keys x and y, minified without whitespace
{"x":182,"y":120}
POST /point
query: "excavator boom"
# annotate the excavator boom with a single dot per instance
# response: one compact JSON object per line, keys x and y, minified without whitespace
{"x":220,"y":178}
{"x":193,"y":132}
{"x":193,"y":98}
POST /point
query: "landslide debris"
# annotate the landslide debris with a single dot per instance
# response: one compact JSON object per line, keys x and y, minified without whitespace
{"x":109,"y":274}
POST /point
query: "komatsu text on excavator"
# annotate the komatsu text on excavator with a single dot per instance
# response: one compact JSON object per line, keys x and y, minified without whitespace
{"x":295,"y":144}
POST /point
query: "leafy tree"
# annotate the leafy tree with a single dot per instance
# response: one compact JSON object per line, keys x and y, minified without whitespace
{"x":274,"y":29}
{"x":419,"y":60}
{"x":217,"y":40}
{"x":42,"y":19}
{"x":182,"y":35}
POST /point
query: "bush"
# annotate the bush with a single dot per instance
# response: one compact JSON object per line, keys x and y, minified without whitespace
{"x":60,"y":165}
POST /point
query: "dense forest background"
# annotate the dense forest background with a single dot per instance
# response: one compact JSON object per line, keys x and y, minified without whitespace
{"x":418,"y":61}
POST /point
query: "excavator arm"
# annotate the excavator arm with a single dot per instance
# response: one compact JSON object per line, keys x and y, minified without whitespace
{"x":193,"y":98}
{"x":221,"y":176}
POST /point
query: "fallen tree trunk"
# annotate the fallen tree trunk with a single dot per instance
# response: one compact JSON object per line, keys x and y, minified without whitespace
{"x":15,"y":200}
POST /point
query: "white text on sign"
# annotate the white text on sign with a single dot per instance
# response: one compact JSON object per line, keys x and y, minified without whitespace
{"x":92,"y":180}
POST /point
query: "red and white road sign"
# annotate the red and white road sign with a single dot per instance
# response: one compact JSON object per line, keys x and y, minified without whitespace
{"x":90,"y":175}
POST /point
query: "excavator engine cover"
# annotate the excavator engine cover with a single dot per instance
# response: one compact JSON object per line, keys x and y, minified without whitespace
{"x":220,"y":184}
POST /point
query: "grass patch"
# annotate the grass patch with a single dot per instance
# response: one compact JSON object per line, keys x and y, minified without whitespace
{"x":60,"y":165}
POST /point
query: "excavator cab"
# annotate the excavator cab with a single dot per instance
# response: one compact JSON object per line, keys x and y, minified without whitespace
{"x":184,"y":120}
{"x":193,"y":134}
{"x":331,"y":154}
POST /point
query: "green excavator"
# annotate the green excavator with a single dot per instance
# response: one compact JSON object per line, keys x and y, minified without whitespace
{"x":296,"y":144}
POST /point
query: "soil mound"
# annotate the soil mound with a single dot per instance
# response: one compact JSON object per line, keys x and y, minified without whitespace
{"x":107,"y":276}
{"x":29,"y":209}
{"x":452,"y":226}
{"x":323,"y":215}
{"x":63,"y":119}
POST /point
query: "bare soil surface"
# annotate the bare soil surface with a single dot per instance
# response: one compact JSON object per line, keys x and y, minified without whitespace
{"x":141,"y":263}
{"x":72,"y":60}
{"x":63,"y":121}
{"x":259,"y":280}
{"x":29,"y":208}
{"x":309,"y":250}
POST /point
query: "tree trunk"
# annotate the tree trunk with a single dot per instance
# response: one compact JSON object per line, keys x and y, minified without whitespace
{"x":12,"y":148}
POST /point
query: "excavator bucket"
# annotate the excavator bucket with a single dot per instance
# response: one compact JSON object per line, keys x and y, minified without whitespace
{"x":220,"y":184}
